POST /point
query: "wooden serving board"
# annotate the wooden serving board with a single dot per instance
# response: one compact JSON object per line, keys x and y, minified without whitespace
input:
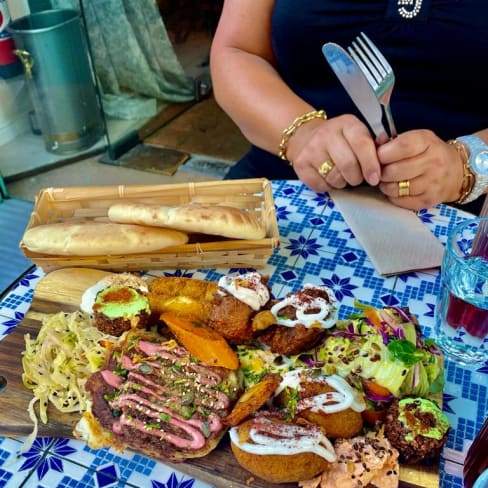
{"x":61,"y":290}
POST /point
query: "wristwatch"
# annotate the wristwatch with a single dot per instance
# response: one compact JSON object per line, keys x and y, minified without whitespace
{"x":478,"y":164}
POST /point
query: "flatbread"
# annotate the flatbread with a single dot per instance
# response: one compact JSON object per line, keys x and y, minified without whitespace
{"x":99,"y":238}
{"x":218,"y":220}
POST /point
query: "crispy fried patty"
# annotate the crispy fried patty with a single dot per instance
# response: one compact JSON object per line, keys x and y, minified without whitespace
{"x":291,"y":340}
{"x":117,"y":326}
{"x":232,"y":319}
{"x":119,"y":308}
{"x":418,"y":450}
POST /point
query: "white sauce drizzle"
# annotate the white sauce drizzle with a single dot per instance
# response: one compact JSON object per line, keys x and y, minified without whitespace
{"x":290,"y":379}
{"x":287,"y":439}
{"x":335,"y":401}
{"x":247,"y":288}
{"x":325,"y":318}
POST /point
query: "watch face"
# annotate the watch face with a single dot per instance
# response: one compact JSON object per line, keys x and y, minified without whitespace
{"x":480,"y":162}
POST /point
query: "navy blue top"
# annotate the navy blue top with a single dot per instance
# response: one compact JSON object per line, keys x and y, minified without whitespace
{"x":439,"y":58}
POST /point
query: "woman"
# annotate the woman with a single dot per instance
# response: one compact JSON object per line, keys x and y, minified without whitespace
{"x":270,"y":76}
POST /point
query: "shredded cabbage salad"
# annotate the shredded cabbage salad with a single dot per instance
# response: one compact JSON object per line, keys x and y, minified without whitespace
{"x":67,"y":350}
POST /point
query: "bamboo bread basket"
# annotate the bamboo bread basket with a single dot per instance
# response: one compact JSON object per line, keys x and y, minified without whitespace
{"x":92,"y":203}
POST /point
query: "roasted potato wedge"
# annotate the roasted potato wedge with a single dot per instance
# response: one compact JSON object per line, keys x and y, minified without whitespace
{"x":253,"y":399}
{"x":262,"y":320}
{"x":206,"y":344}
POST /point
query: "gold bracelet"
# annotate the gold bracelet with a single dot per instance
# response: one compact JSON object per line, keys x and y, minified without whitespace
{"x":289,"y":131}
{"x":469,"y":178}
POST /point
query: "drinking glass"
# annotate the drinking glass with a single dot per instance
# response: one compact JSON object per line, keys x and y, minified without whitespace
{"x":461,"y":315}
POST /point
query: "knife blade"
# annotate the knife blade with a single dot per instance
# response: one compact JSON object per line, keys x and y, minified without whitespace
{"x":357,"y":87}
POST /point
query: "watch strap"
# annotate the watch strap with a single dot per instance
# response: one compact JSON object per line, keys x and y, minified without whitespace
{"x":468,"y":175}
{"x":474,"y":144}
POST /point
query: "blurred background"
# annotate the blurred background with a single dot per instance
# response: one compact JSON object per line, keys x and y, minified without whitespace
{"x":124,"y":82}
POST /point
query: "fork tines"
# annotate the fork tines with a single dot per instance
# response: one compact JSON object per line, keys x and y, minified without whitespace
{"x":370,"y":60}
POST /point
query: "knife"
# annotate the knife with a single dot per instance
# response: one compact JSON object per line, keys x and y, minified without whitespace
{"x":358,"y":88}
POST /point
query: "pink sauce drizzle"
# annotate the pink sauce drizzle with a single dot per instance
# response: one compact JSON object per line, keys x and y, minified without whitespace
{"x":199,"y":378}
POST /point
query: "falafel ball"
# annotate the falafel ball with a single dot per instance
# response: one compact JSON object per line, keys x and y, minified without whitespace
{"x":119,"y":308}
{"x":417,"y":428}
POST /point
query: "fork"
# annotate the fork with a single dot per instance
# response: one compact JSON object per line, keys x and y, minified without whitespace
{"x":378,"y":72}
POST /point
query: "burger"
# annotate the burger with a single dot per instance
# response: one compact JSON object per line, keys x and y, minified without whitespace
{"x":281,"y":451}
{"x":153,"y":397}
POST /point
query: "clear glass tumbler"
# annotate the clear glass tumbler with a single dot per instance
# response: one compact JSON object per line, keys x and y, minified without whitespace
{"x":461,"y":327}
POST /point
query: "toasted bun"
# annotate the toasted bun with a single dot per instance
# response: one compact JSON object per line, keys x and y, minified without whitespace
{"x":195,"y":218}
{"x":344,"y":424}
{"x":96,"y":238}
{"x":284,"y":457}
{"x":276,"y":468}
{"x":89,"y":430}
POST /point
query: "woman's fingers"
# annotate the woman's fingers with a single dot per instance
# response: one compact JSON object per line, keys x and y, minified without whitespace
{"x":339,"y":151}
{"x":419,"y":170}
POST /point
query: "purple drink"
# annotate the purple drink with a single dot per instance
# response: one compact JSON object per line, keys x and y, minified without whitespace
{"x":461,"y":327}
{"x":463,"y":314}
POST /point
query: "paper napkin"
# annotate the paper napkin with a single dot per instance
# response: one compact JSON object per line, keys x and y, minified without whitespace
{"x":395,"y":239}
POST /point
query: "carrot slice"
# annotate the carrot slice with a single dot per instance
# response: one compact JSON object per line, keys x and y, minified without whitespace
{"x":201,"y":341}
{"x":374,"y":317}
{"x":375,"y":389}
{"x":371,"y":416}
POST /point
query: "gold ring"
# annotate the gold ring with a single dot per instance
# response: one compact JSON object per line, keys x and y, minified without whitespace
{"x":326,"y":167}
{"x":404,"y":188}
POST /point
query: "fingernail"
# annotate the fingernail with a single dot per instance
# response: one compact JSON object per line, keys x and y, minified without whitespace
{"x":374,"y":179}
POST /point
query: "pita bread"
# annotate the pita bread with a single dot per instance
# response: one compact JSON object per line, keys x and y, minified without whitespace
{"x":98,"y":238}
{"x":218,"y":220}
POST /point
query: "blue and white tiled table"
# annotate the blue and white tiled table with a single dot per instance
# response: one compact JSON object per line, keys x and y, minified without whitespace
{"x":316,"y":247}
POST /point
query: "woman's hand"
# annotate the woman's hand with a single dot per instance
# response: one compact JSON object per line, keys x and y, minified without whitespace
{"x":344,"y":141}
{"x":432,"y":168}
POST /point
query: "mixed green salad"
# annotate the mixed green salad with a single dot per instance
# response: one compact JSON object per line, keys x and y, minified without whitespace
{"x":386,"y":350}
{"x":380,"y":351}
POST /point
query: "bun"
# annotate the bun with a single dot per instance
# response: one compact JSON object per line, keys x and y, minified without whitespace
{"x":96,"y":238}
{"x":275,"y":468}
{"x":281,"y":467}
{"x":91,"y":431}
{"x":196,"y":218}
